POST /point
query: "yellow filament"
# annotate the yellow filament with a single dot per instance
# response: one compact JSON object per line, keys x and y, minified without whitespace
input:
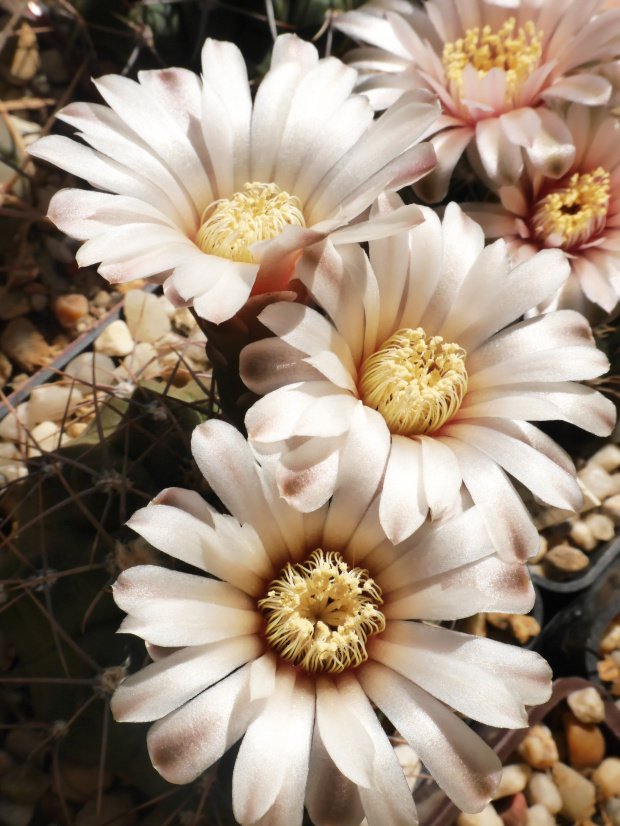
{"x":416,"y":382}
{"x":517,"y":52}
{"x":320,"y":613}
{"x":574,"y":212}
{"x":258,"y":213}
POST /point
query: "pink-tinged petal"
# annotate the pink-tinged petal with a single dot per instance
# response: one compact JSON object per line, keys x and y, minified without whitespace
{"x":161,"y":687}
{"x":189,"y":740}
{"x":501,"y":158}
{"x":461,"y":762}
{"x":270,"y":364}
{"x":129,"y":240}
{"x":362,"y":462}
{"x":594,"y":285}
{"x":449,"y":145}
{"x":189,"y":501}
{"x":603,"y":144}
{"x":540,"y":401}
{"x":171,"y":608}
{"x":592,"y":90}
{"x":277,"y":258}
{"x":346,"y":741}
{"x":373,"y":29}
{"x":389,"y":799}
{"x":403,"y":505}
{"x":202,"y":546}
{"x":155,"y":264}
{"x":513,"y":200}
{"x":425,"y":267}
{"x":331,"y":798}
{"x":485,"y":585}
{"x":379,"y":226}
{"x":228,"y":464}
{"x":441,"y":476}
{"x":493,"y":218}
{"x":307,"y":476}
{"x":510,"y":527}
{"x":228,"y":295}
{"x":261,"y":764}
{"x":521,"y":126}
{"x":201,"y":274}
{"x":553,"y":151}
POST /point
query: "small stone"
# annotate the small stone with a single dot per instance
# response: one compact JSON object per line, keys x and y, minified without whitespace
{"x":115,"y":340}
{"x":608,"y":670}
{"x":542,"y":551}
{"x":578,"y":794}
{"x":6,"y":368}
{"x":146,"y":316}
{"x":581,"y":534}
{"x":513,"y":810}
{"x":514,"y":779}
{"x":586,"y":744}
{"x":38,"y":302}
{"x":117,"y":809}
{"x":612,"y":810}
{"x":542,"y":790}
{"x":539,"y":815}
{"x":24,"y":784}
{"x":611,"y":637}
{"x":587,"y":705}
{"x":24,"y":344}
{"x":607,"y":457}
{"x":615,"y":656}
{"x":564,"y":560}
{"x":89,"y":368}
{"x":596,"y":480}
{"x":79,"y":783}
{"x":524,"y":627}
{"x":70,"y":308}
{"x":15,"y":814}
{"x":409,"y":763}
{"x":141,"y":363}
{"x":45,"y":436}
{"x":12,"y":427}
{"x":611,"y":508}
{"x":476,"y":625}
{"x":13,"y":305}
{"x":538,"y":748}
{"x":487,"y":817}
{"x":614,"y":481}
{"x":607,"y":778}
{"x":602,"y":526}
{"x":52,"y":402}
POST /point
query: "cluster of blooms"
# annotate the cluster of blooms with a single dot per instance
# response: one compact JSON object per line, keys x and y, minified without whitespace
{"x":372,"y":499}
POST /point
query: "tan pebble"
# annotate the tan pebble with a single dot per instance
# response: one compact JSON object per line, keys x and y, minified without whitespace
{"x":52,"y":402}
{"x":12,"y":427}
{"x":146,"y":316}
{"x":524,"y":627}
{"x":78,"y":783}
{"x":141,"y":363}
{"x":611,"y":638}
{"x":5,"y":370}
{"x":409,"y":763}
{"x":586,"y":744}
{"x":70,"y":308}
{"x":596,"y":480}
{"x":615,"y":656}
{"x":542,"y":790}
{"x":45,"y":436}
{"x":15,"y":814}
{"x":611,"y":508}
{"x":38,"y":302}
{"x":13,"y":305}
{"x":513,"y":810}
{"x":607,"y":670}
{"x":24,"y":784}
{"x":602,"y":526}
{"x":514,"y":779}
{"x":578,"y":794}
{"x":607,"y":778}
{"x":581,"y":534}
{"x":103,"y":300}
{"x":498,"y":620}
{"x":542,"y":550}
{"x":115,"y":340}
{"x":538,"y":748}
{"x":24,"y":344}
{"x":487,"y":817}
{"x":612,"y":810}
{"x":614,"y":484}
{"x":565,"y":560}
{"x":587,"y":705}
{"x":607,"y":457}
{"x":117,"y":809}
{"x":539,"y":815}
{"x":476,"y":625}
{"x":91,"y":367}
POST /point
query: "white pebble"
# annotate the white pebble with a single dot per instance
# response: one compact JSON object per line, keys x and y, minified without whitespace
{"x":52,"y":402}
{"x":539,"y":748}
{"x":597,"y":481}
{"x":581,"y":534}
{"x":578,"y":794}
{"x":587,"y":705}
{"x":90,"y":368}
{"x":607,"y":457}
{"x":602,"y":526}
{"x":539,"y":815}
{"x":409,"y":762}
{"x":607,"y":778}
{"x":611,"y":508}
{"x":45,"y":436}
{"x":514,"y":779}
{"x":115,"y":340}
{"x":146,"y":316}
{"x":542,"y":790}
{"x":142,"y":363}
{"x":12,"y":426}
{"x":487,"y":817}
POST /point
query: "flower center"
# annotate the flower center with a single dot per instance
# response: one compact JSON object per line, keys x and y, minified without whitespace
{"x":416,"y":382}
{"x":573,"y":213}
{"x":259,"y":213}
{"x":321,"y":612}
{"x":516,"y":51}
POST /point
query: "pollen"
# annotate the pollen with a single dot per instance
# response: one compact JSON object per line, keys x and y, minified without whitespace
{"x":320,"y":613}
{"x":417,"y":382}
{"x":574,"y":212}
{"x":258,"y":213}
{"x":517,"y":51}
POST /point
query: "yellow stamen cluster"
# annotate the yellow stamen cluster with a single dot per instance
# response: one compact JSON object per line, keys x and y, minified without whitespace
{"x":258,"y":213}
{"x":574,"y":212}
{"x":320,"y":613}
{"x":518,"y":53}
{"x":416,"y":383}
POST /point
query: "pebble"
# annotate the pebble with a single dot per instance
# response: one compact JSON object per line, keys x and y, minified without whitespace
{"x":564,"y":560}
{"x":542,"y":790}
{"x":607,"y":778}
{"x":38,"y":302}
{"x":89,"y":368}
{"x":586,"y":744}
{"x":13,"y":424}
{"x":612,"y":810}
{"x":24,"y":784}
{"x":608,"y":670}
{"x":6,"y":368}
{"x":21,"y":743}
{"x":45,"y":436}
{"x":611,"y":638}
{"x":117,"y":809}
{"x":52,"y":402}
{"x":607,"y":457}
{"x":611,"y":508}
{"x":13,"y":305}
{"x":602,"y":527}
{"x":115,"y":340}
{"x":487,"y":817}
{"x":146,"y":316}
{"x":582,"y":535}
{"x":513,"y":810}
{"x":578,"y":794}
{"x":539,"y":815}
{"x":141,"y":363}
{"x":538,"y":748}
{"x":409,"y":762}
{"x":79,"y":782}
{"x":24,"y":344}
{"x":587,"y":705}
{"x":70,"y":308}
{"x":597,"y":480}
{"x":15,"y":814}
{"x":514,"y":779}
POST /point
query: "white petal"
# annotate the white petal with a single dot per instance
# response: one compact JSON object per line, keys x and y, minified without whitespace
{"x":441,"y":476}
{"x":403,"y":505}
{"x":331,"y":798}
